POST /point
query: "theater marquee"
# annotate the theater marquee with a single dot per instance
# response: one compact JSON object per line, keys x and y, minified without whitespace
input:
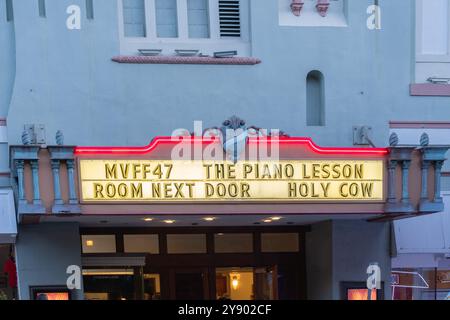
{"x":146,"y":181}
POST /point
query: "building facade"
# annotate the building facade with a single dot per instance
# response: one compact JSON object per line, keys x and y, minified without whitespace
{"x":84,"y":77}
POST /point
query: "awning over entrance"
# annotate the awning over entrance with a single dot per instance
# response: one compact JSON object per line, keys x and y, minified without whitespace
{"x":8,"y":225}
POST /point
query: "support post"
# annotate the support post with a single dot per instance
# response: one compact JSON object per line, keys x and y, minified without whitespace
{"x":56,"y":181}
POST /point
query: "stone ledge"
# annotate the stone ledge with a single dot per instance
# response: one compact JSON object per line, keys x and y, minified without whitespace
{"x":430,"y":89}
{"x":186,"y":60}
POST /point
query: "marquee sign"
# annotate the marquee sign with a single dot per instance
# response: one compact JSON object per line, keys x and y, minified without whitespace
{"x":145,"y":175}
{"x":302,"y":180}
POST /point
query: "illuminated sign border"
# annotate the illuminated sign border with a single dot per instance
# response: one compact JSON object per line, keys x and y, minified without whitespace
{"x":86,"y":151}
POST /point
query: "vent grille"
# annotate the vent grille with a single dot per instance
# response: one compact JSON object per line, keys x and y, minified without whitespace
{"x":230,"y":19}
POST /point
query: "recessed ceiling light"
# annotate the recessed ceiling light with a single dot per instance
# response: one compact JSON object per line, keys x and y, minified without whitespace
{"x":209,"y":219}
{"x":89,"y":243}
{"x":148,"y":219}
{"x":169,"y":221}
{"x":276,"y":218}
{"x":267,"y":220}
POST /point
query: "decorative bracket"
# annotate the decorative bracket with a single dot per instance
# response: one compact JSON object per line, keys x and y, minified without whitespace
{"x":432,"y":156}
{"x":58,"y":155}
{"x":297,"y":6}
{"x":399,"y":156}
{"x":21,"y":156}
{"x":322,"y":7}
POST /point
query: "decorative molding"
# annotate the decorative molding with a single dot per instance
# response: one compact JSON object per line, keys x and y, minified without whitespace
{"x":186,"y":60}
{"x":419,"y":124}
{"x":89,"y":151}
{"x":402,"y":156}
{"x":430,"y":89}
{"x":322,"y":7}
{"x":297,"y":6}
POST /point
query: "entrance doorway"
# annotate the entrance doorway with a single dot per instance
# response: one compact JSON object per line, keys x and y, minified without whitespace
{"x":196,"y":264}
{"x":121,"y":284}
{"x":246,"y":284}
{"x":189,"y":284}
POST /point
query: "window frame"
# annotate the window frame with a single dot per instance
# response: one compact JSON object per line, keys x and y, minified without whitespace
{"x":429,"y":58}
{"x":130,"y":45}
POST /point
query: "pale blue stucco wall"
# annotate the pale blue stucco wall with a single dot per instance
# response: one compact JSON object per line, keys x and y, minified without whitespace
{"x":43,"y":254}
{"x":340,"y":251}
{"x":66,"y":79}
{"x":7,"y":60}
{"x":7,"y":73}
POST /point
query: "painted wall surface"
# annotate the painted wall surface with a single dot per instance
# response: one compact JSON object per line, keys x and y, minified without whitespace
{"x":43,"y":253}
{"x":319,"y":261}
{"x":367,"y":76}
{"x":427,"y":234}
{"x":357,"y":244}
{"x":7,"y":74}
{"x":340,"y":251}
{"x":7,"y":60}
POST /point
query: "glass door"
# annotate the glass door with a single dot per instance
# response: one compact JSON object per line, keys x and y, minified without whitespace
{"x":266,"y":284}
{"x":246,"y":283}
{"x":189,"y":284}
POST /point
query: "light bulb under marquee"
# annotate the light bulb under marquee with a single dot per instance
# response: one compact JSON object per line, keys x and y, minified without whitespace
{"x":89,"y":243}
{"x":276,"y":218}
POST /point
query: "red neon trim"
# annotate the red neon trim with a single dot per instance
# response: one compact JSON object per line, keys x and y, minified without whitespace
{"x":322,"y":150}
{"x":80,"y":151}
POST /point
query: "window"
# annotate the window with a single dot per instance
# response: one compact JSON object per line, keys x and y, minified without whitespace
{"x":134,"y":18}
{"x":166,"y":18}
{"x":140,"y":243}
{"x":279,"y":242}
{"x":168,"y":25}
{"x":315,"y":99}
{"x":432,"y":40}
{"x":90,"y":9}
{"x":9,"y":10}
{"x":42,"y":10}
{"x":233,"y":242}
{"x":186,"y":243}
{"x":198,"y":18}
{"x":98,"y":243}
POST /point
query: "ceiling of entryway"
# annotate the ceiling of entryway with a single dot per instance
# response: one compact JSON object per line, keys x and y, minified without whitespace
{"x":199,"y":220}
